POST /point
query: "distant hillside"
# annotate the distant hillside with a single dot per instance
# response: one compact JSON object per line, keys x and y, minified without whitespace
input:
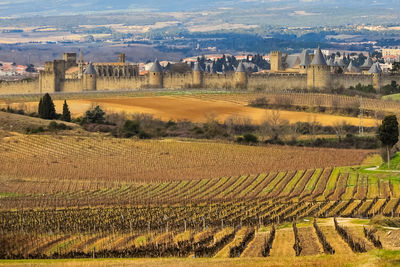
{"x":45,"y":7}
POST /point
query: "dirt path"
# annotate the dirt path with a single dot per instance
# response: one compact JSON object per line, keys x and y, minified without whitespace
{"x":254,"y":248}
{"x":335,"y":240}
{"x":357,"y":233}
{"x":390,"y":238}
{"x":309,"y":242}
{"x":224,"y":252}
{"x":283,"y":243}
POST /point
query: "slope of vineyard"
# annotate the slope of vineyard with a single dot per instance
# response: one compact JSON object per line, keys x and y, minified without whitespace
{"x":75,"y":196}
{"x":97,"y":158}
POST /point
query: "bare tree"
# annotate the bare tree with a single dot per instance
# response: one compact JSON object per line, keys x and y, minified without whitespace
{"x":339,"y":128}
{"x":236,"y":123}
{"x":313,"y":126}
{"x":274,"y":126}
{"x":294,"y":132}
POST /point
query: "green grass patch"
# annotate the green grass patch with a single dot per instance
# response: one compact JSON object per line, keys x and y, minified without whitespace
{"x":391,"y":97}
{"x":141,"y":241}
{"x":284,"y":225}
{"x":261,"y":177}
{"x":293,"y":181}
{"x":394,"y":163}
{"x":351,"y":184}
{"x":387,"y":257}
{"x":395,"y":180}
{"x":373,"y":189}
{"x":314,"y":178}
{"x":360,"y":221}
{"x":8,"y":194}
{"x":372,"y":161}
{"x":272,"y":184}
{"x":331,"y":184}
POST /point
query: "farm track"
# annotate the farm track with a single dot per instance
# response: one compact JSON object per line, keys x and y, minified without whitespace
{"x":309,"y":241}
{"x":335,"y":240}
{"x":283,"y":243}
{"x":255,"y":247}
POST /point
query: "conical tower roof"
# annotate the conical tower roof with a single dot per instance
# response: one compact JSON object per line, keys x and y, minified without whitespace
{"x":197,"y":67}
{"x":375,"y":68}
{"x":90,"y":69}
{"x":339,"y":62}
{"x":330,"y":62}
{"x":353,"y":69}
{"x":240,"y":67}
{"x":304,"y":58}
{"x":168,"y":67}
{"x":367,"y":63}
{"x":156,"y":67}
{"x":319,"y":58}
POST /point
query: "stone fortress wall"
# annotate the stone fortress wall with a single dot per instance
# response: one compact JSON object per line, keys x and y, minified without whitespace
{"x":57,"y":77}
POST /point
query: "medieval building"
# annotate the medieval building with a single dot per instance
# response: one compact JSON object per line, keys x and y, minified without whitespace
{"x":303,"y":71}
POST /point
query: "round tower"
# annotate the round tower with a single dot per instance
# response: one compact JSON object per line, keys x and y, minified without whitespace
{"x":89,"y":78}
{"x":197,"y":75}
{"x":156,"y":79}
{"x":376,"y":72}
{"x":318,"y":72}
{"x":241,"y":77}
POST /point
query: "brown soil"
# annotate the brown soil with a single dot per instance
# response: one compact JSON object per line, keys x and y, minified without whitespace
{"x":335,"y":240}
{"x":255,"y":247}
{"x":390,"y":238}
{"x":309,"y":242}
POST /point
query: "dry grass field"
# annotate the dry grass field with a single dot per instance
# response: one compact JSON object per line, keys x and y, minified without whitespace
{"x":102,"y":158}
{"x":195,"y":108}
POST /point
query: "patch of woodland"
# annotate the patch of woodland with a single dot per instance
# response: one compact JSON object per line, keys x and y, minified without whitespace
{"x":234,"y":129}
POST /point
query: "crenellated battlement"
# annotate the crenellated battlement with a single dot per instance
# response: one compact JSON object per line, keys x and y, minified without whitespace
{"x":125,"y":76}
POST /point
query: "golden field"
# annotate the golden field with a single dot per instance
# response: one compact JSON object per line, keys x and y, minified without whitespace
{"x":194,"y":108}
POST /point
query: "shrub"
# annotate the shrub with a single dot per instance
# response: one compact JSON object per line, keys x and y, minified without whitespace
{"x":53,"y":126}
{"x":131,"y":128}
{"x":95,"y":115}
{"x":144,"y":135}
{"x":259,"y":102}
{"x":29,"y":130}
{"x":247,"y":138}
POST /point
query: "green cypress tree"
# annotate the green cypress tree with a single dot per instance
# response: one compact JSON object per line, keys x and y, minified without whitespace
{"x":388,"y":133}
{"x":66,"y":115}
{"x":46,"y":108}
{"x":40,"y":108}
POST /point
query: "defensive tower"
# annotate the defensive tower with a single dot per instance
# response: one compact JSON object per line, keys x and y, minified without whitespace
{"x":70,"y":60}
{"x":89,"y":78}
{"x":276,"y":61}
{"x":241,"y":77}
{"x":376,"y":72}
{"x":156,"y":79}
{"x":197,"y":75}
{"x":318,"y":72}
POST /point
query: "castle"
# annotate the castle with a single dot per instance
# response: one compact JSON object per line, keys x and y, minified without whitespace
{"x":304,"y":71}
